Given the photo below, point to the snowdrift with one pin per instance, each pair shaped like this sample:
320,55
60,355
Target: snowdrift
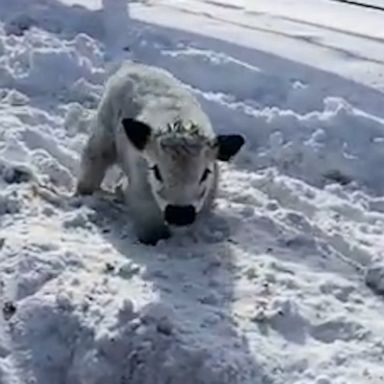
280,285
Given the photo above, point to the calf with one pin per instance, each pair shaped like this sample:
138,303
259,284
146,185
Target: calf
155,130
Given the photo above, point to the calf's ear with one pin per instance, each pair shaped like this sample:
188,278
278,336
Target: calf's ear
138,133
228,146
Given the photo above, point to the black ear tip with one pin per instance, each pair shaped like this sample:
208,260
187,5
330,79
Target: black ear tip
240,140
137,132
229,145
126,121
236,140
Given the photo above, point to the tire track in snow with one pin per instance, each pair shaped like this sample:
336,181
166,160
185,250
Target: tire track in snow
360,4
294,20
311,40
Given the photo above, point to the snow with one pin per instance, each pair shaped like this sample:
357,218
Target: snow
283,283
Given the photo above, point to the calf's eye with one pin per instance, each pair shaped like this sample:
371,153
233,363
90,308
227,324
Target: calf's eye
205,175
157,173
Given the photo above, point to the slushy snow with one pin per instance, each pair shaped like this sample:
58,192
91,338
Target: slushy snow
283,283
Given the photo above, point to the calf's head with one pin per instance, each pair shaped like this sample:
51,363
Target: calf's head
181,166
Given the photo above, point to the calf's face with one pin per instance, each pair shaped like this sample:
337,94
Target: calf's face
181,167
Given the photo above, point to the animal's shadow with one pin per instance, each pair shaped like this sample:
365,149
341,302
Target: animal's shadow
194,277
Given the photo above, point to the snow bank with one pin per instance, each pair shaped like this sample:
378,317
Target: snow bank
51,15
289,124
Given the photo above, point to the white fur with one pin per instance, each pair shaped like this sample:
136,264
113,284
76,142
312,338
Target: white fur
155,97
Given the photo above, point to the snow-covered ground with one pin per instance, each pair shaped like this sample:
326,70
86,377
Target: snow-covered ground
282,283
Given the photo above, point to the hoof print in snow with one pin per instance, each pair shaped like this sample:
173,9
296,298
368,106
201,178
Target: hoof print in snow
9,309
374,278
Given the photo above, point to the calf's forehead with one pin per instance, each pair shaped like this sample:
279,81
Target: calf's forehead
183,150
184,167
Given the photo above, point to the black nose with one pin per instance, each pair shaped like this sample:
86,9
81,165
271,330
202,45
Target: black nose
180,214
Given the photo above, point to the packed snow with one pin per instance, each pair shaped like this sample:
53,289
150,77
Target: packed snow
283,283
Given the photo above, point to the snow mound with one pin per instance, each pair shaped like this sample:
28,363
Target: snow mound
51,15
